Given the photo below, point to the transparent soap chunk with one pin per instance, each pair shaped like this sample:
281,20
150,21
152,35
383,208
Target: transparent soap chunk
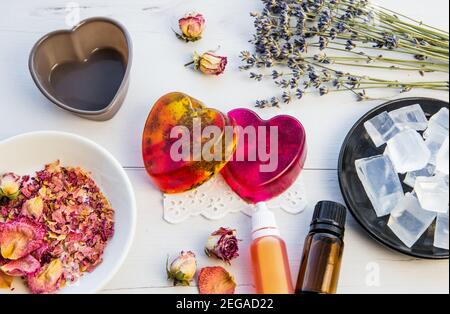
381,183
441,118
381,128
412,117
442,160
441,235
409,221
433,193
410,178
445,177
438,126
434,143
408,151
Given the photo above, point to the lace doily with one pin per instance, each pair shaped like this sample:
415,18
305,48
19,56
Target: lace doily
215,199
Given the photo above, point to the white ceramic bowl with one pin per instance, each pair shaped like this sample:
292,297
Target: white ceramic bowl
27,153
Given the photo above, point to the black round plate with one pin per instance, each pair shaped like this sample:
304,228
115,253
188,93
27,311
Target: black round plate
359,145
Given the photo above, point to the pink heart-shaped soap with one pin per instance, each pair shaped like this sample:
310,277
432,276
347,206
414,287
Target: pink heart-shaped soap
265,166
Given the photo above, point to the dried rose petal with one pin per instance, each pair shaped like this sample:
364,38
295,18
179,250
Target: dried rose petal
48,279
40,252
5,281
223,245
73,225
215,280
53,167
21,267
20,237
33,207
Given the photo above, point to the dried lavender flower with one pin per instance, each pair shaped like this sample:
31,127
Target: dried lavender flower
287,98
287,33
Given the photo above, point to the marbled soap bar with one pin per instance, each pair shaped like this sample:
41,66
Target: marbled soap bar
184,143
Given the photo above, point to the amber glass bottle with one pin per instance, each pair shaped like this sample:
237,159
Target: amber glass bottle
322,254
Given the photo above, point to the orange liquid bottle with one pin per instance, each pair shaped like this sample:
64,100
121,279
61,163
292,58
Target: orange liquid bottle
270,261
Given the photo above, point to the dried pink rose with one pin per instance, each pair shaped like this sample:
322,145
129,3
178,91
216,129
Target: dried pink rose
210,63
21,267
192,27
9,186
223,244
20,237
183,269
48,279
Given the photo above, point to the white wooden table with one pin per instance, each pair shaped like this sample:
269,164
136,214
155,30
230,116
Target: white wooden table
158,68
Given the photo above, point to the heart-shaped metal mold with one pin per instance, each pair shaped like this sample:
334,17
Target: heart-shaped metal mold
84,70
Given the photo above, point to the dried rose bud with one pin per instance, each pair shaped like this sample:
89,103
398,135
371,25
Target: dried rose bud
183,268
223,245
10,185
210,64
192,27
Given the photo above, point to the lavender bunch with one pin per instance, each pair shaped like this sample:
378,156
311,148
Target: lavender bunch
305,44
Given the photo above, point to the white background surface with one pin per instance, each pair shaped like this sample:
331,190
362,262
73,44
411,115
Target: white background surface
157,69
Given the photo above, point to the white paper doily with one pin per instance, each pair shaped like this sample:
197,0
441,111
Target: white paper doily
215,199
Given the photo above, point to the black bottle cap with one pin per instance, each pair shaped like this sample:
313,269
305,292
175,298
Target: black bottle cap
330,216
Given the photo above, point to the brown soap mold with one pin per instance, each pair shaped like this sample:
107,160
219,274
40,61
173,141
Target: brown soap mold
84,70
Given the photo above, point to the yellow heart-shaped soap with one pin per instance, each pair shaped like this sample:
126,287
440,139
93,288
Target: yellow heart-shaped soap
185,143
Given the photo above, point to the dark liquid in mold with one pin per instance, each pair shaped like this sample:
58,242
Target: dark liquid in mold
90,85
